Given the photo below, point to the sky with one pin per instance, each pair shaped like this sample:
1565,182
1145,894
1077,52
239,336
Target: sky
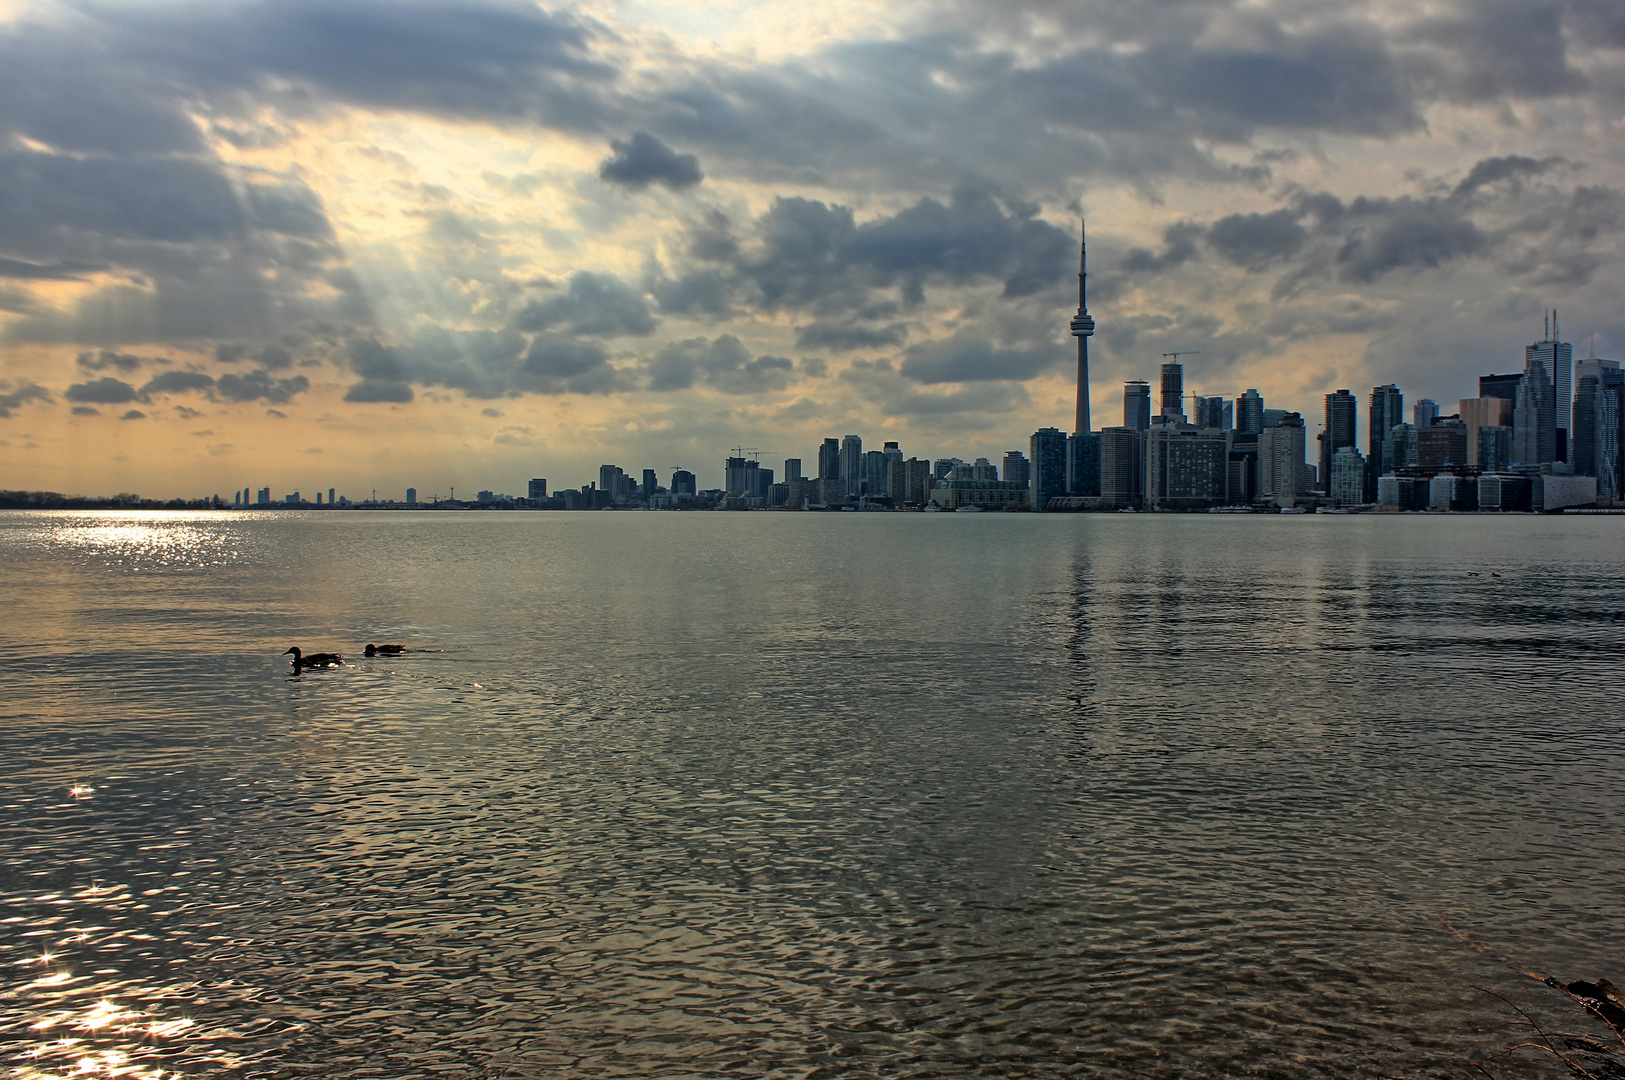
308,244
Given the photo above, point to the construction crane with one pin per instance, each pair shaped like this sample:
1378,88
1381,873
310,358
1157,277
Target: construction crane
1177,355
741,451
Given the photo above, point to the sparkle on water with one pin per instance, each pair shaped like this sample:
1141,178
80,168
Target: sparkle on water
796,794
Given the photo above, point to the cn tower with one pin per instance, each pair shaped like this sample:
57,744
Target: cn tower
1083,328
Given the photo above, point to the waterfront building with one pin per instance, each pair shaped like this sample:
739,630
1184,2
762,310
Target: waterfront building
1250,412
1283,470
1241,480
1443,444
1083,328
792,469
647,489
683,483
1137,404
536,489
1387,408
1534,417
832,491
942,467
983,469
1122,480
1425,413
1557,358
1047,471
1016,468
1083,464
1173,389
1342,416
852,464
1494,447
1347,473
987,494
411,494
1450,492
1503,492
1186,468
829,459
263,497
873,481
916,481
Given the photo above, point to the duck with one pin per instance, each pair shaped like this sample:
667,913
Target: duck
319,659
384,650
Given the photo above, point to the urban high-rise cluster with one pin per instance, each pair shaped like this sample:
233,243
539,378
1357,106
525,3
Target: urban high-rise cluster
1545,438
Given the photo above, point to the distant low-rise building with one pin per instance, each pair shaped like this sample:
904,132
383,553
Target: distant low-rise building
987,494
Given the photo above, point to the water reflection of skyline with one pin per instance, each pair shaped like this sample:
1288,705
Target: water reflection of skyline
699,795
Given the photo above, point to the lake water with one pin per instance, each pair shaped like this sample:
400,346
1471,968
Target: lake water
802,795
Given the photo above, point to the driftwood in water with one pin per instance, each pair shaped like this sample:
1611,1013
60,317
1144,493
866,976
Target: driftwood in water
1581,1054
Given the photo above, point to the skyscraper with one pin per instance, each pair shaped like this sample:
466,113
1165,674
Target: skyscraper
1122,480
1048,467
1282,468
852,464
683,482
1347,483
1501,386
1342,414
1210,412
1594,422
873,481
829,459
1137,404
1558,358
1250,412
1082,463
1387,409
1534,419
792,469
1173,389
537,489
1083,328
649,485
1426,411
1016,468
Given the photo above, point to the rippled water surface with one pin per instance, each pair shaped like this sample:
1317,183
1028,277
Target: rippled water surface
737,795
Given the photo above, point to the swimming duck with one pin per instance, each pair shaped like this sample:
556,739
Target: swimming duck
384,650
319,659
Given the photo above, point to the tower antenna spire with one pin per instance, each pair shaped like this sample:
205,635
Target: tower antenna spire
1083,328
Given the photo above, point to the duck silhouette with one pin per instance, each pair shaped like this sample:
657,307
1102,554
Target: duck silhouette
319,659
384,650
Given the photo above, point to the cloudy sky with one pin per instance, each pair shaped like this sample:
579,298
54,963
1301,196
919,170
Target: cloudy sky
308,243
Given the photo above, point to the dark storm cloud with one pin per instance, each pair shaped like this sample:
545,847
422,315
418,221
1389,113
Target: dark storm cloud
969,406
1254,240
968,357
558,365
1179,241
177,382
698,293
1405,233
84,410
600,305
485,60
804,254
1496,169
724,364
27,271
1493,49
104,391
103,359
841,336
134,414
11,399
645,160
375,391
260,386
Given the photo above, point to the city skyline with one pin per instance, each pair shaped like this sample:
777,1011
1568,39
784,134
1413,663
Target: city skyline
243,240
